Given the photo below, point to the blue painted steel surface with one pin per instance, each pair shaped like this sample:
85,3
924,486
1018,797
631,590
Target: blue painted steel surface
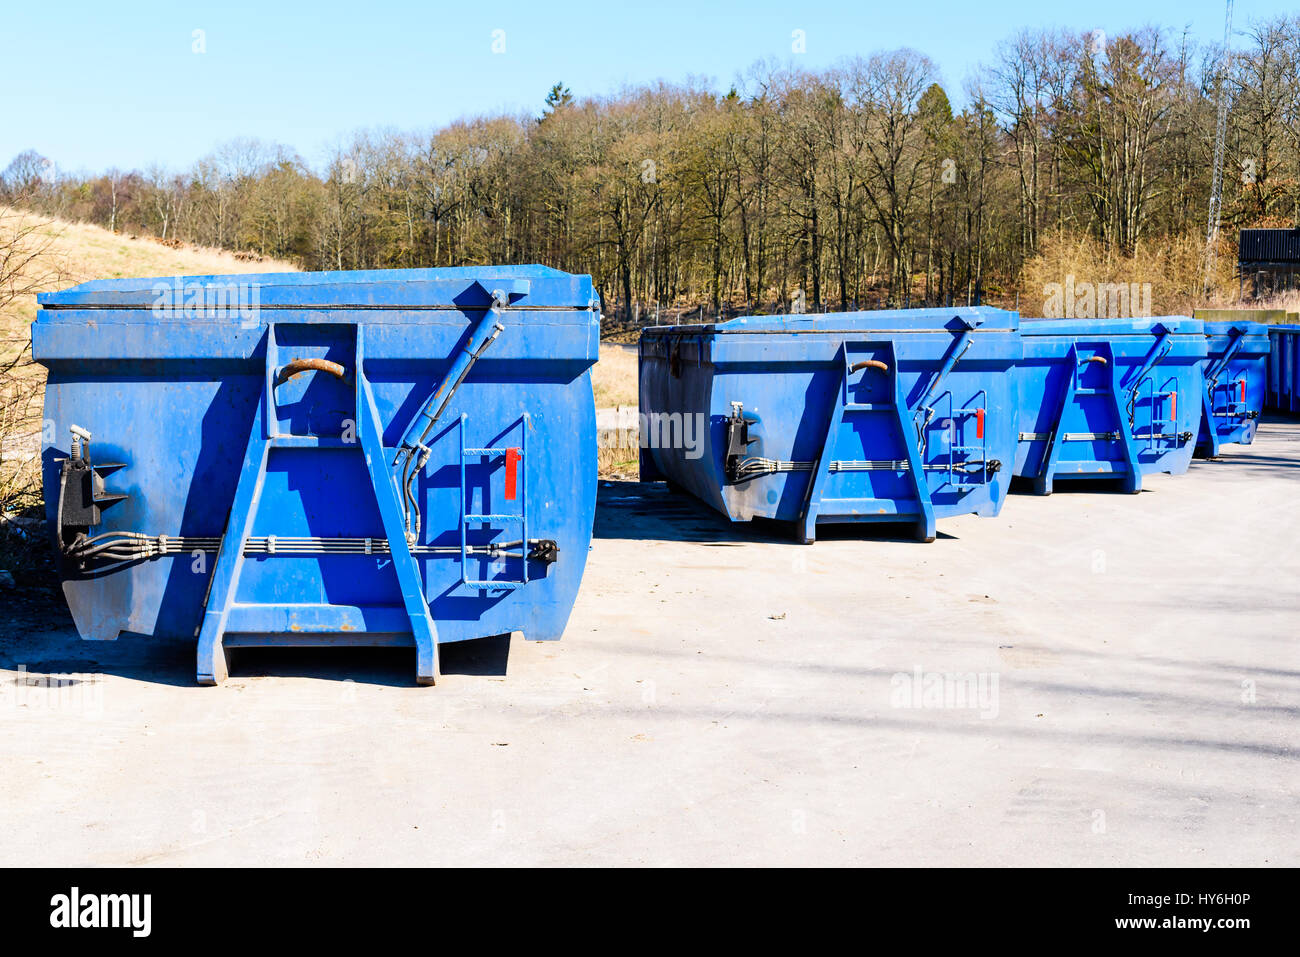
894,415
1284,369
281,494
1236,373
1108,398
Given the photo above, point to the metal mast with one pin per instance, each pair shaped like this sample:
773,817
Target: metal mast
1220,135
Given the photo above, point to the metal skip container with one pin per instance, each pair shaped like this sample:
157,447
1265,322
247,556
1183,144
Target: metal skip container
393,457
1108,398
1236,378
886,416
1284,368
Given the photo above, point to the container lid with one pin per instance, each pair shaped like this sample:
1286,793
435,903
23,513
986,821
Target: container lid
974,318
1145,326
461,287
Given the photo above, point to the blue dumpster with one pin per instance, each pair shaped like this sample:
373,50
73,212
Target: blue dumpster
888,416
1236,372
1284,369
1108,398
401,457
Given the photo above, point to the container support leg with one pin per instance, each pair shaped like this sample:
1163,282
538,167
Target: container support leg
1052,454
1207,445
817,479
1132,482
213,663
909,429
370,434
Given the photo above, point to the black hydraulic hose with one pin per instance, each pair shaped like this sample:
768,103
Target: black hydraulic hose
409,505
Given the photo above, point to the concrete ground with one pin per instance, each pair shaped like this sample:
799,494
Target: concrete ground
725,697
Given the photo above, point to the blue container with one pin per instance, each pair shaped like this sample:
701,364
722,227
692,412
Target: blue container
400,457
1284,369
889,416
1236,374
1108,398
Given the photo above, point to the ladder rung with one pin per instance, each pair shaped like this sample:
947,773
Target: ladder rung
504,585
492,451
868,406
1093,392
494,518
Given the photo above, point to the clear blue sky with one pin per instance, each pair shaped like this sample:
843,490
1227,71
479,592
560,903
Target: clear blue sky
99,84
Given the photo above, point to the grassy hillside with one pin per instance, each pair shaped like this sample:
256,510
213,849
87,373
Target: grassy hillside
38,254
70,253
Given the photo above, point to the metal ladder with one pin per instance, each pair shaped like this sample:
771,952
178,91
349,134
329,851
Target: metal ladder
516,458
1158,437
959,477
1232,408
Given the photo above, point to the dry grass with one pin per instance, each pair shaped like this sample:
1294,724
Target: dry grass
26,267
78,252
617,455
1174,267
1287,301
614,377
38,254
614,382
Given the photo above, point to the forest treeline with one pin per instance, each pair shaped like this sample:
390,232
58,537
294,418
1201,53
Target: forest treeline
852,186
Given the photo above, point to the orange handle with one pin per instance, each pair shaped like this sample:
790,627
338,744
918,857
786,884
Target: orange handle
295,366
869,364
1173,405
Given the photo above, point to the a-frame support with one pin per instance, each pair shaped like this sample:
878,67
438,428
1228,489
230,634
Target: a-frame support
903,421
1131,478
213,661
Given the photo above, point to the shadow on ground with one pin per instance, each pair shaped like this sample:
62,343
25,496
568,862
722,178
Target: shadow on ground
172,662
652,511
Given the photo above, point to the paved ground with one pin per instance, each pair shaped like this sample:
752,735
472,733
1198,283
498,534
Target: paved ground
721,700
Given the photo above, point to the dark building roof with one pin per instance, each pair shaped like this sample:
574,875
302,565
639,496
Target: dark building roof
1280,247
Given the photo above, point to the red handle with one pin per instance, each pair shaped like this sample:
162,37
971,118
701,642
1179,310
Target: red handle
512,469
1243,390
979,423
1173,405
